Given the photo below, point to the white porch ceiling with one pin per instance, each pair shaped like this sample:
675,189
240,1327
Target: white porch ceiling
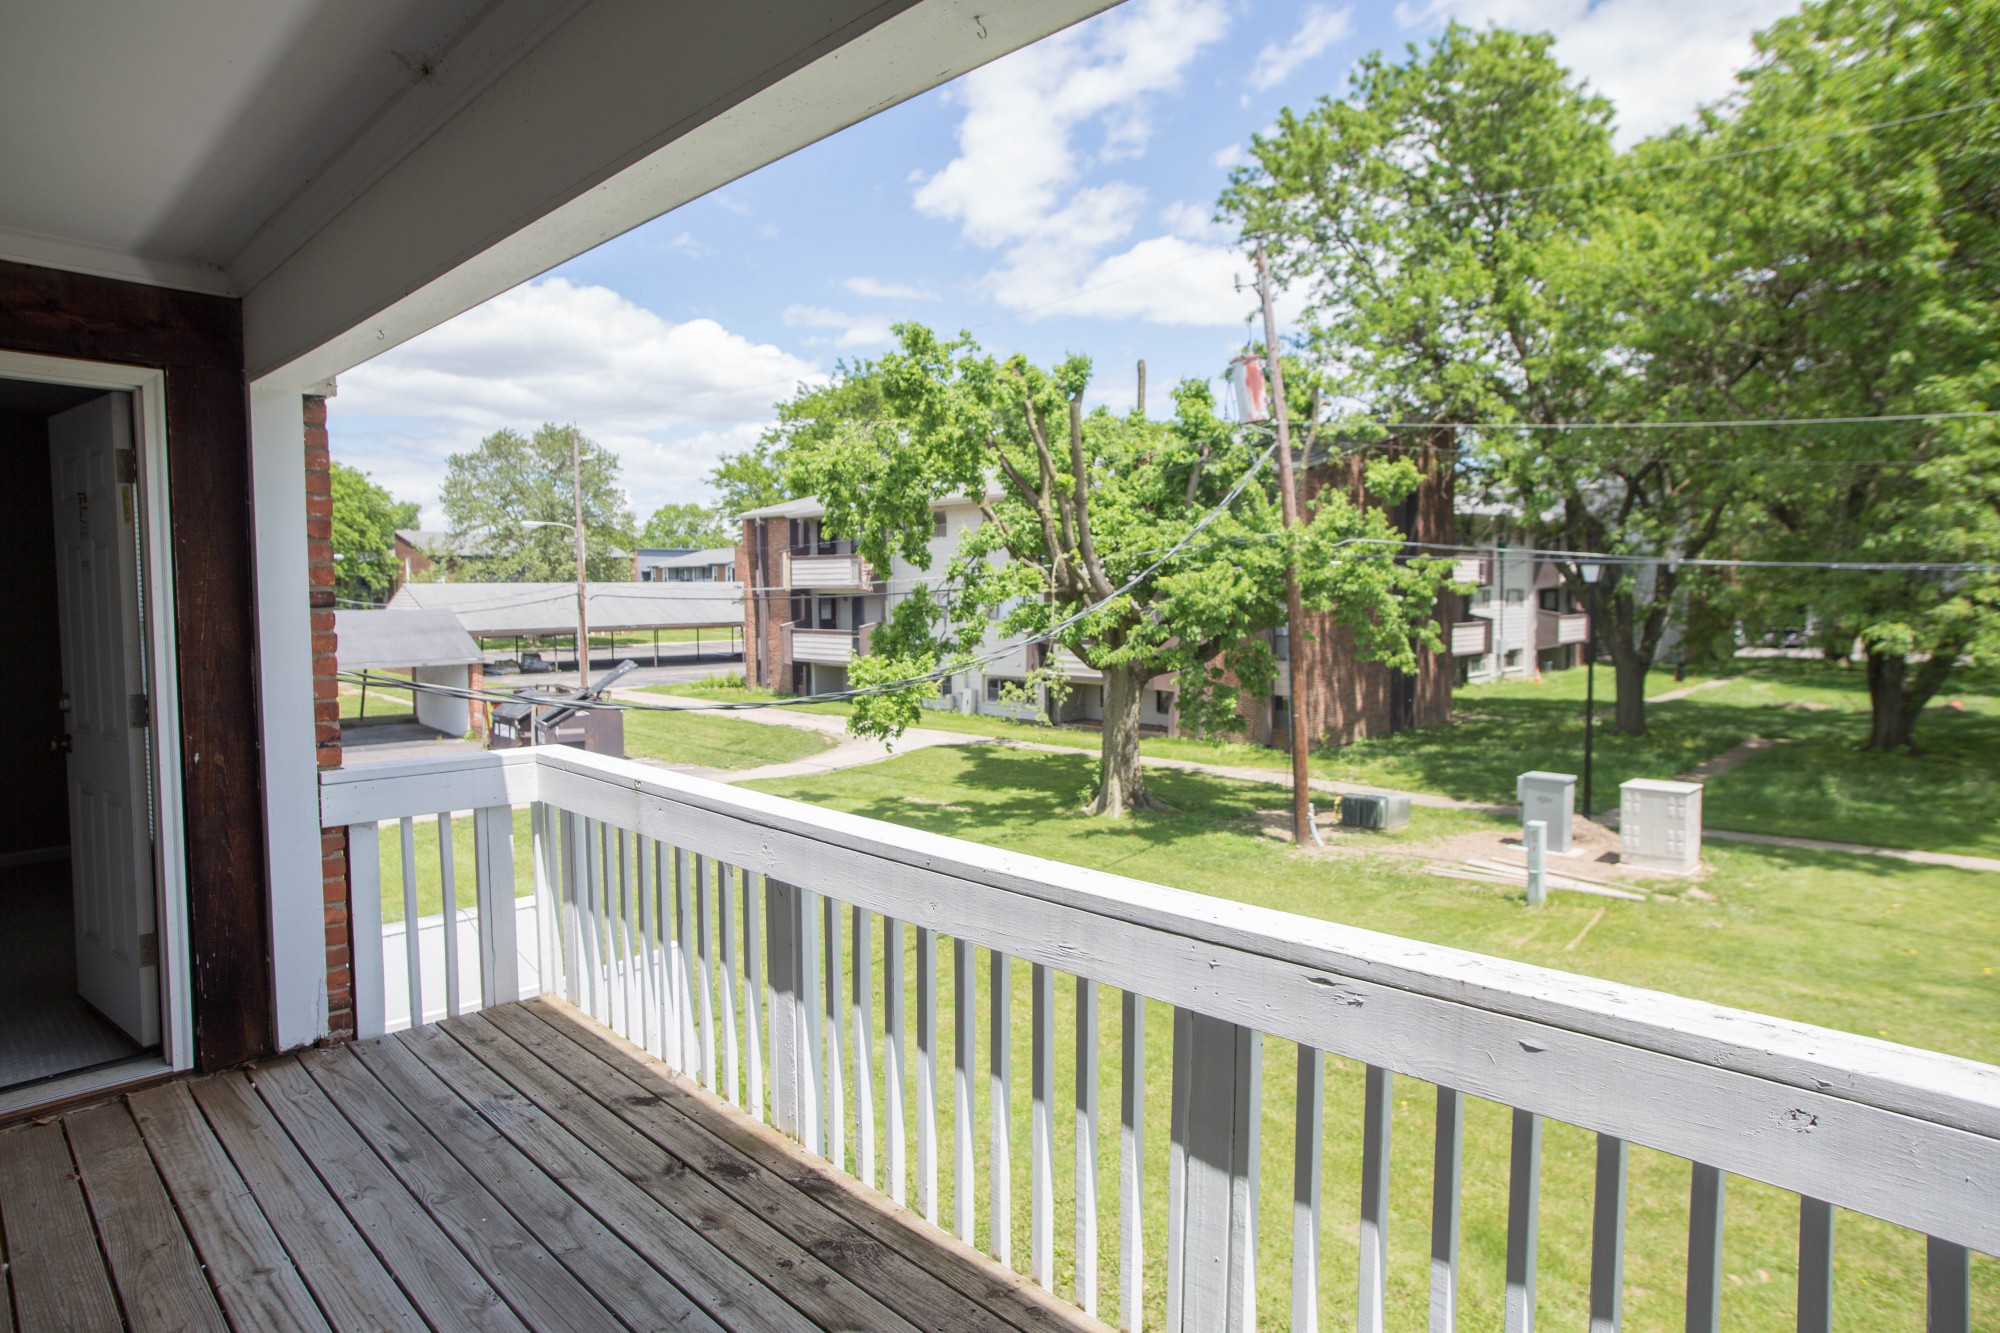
361,170
162,136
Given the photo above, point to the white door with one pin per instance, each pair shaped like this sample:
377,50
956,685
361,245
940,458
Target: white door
97,588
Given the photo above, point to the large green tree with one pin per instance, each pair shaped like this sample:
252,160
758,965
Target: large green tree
761,474
1077,505
1856,273
697,527
365,519
498,491
1457,226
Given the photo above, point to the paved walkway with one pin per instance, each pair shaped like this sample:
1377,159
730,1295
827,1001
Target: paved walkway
1685,690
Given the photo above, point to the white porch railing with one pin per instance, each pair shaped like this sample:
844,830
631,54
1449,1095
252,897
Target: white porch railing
735,935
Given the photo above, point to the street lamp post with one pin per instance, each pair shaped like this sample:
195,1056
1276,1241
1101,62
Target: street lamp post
1590,575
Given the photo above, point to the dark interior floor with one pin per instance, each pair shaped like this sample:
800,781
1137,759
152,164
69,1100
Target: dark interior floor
45,1030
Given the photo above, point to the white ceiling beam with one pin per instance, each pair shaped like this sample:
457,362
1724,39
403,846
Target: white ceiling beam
623,110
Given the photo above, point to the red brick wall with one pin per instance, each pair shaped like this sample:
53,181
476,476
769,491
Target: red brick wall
1346,698
764,596
326,717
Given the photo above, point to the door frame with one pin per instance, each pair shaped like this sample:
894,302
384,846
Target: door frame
148,387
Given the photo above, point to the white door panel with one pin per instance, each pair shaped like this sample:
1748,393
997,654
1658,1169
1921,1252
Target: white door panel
97,586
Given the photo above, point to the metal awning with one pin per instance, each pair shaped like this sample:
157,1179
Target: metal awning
401,637
550,608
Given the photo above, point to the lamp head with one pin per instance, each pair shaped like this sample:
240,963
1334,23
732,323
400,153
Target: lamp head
1591,572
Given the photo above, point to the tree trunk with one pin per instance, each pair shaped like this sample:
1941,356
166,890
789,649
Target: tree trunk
1629,718
1897,693
1121,783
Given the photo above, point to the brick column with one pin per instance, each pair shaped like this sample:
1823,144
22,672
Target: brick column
326,718
476,681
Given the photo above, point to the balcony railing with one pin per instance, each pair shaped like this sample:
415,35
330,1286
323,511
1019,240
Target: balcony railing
760,946
834,647
1553,629
837,572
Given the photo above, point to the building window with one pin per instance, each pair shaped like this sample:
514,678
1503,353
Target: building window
1551,599
995,684
944,688
829,613
1281,713
937,524
1513,658
1516,596
1163,701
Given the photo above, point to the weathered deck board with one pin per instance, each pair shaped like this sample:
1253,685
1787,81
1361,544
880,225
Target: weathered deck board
158,1277
509,1170
51,1252
902,1232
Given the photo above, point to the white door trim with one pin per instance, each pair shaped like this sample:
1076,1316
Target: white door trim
149,390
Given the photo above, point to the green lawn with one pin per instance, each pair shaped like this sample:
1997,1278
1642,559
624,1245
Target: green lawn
1819,784
716,741
1904,952
380,701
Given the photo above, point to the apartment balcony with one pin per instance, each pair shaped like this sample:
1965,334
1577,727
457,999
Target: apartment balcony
730,1042
829,573
832,647
1471,638
1553,629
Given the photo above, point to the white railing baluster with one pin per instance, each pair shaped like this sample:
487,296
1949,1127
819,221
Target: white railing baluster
927,1154
1524,1198
725,921
897,1086
628,988
1947,1287
413,958
1308,1133
1815,1266
753,995
642,944
495,906
1000,1107
813,1073
364,889
1447,1169
1212,1174
683,965
1042,1126
1086,1145
964,1013
1377,1102
1607,1238
703,966
592,915
548,874
836,1083
784,943
861,1003
571,854
1706,1190
448,895
1131,1161
660,948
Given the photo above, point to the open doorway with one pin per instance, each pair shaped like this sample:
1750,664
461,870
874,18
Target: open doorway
80,959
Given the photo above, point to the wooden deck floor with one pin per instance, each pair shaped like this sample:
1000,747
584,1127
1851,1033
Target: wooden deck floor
516,1169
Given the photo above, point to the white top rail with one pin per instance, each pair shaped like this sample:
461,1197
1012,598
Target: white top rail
1908,1135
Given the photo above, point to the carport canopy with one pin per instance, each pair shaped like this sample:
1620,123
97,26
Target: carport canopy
401,637
500,609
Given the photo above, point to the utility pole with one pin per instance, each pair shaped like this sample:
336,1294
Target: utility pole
582,612
1288,496
1142,386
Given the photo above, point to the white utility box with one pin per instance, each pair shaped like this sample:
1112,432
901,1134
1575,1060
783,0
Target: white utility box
1661,825
1551,798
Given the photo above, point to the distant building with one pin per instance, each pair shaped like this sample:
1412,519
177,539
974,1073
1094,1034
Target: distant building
420,550
811,604
678,564
1519,617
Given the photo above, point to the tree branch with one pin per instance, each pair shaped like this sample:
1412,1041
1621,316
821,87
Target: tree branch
1080,483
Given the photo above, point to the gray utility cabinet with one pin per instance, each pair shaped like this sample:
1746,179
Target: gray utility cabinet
1551,798
1381,811
1661,825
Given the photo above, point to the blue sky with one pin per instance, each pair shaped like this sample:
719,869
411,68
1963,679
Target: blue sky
1055,201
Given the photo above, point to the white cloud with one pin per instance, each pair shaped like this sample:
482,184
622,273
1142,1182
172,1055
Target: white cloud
876,289
1319,28
668,397
1016,151
689,245
1194,222
849,330
1656,62
1021,182
1227,156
